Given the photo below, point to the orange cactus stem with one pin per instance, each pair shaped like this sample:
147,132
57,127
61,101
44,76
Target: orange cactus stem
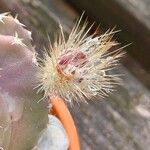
61,111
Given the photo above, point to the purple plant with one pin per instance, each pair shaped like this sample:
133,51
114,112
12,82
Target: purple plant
21,118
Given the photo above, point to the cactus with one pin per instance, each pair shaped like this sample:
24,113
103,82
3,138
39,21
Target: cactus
74,69
21,117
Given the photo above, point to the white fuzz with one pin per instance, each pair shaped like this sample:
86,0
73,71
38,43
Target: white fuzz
17,40
2,16
79,68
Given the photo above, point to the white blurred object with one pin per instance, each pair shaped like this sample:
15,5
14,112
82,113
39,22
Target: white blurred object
54,137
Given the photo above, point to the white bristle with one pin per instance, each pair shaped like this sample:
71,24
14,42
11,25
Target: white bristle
77,69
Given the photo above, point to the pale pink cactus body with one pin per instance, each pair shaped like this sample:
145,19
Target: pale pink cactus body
19,113
16,84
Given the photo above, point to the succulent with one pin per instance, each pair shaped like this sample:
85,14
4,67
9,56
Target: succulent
22,118
78,68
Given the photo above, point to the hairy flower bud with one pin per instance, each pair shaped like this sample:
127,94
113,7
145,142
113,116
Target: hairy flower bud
79,68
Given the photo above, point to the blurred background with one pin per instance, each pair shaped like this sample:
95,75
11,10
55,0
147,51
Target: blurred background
122,121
